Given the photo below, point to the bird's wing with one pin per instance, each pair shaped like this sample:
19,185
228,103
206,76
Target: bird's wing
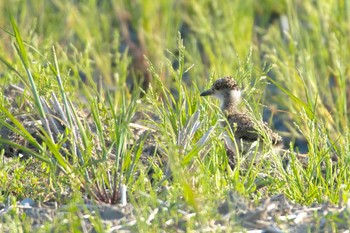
244,128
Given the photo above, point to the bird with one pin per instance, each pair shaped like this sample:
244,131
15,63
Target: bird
246,131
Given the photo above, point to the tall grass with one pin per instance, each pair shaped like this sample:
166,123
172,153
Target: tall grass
83,88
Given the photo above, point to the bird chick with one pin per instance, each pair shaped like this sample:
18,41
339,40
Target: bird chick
245,130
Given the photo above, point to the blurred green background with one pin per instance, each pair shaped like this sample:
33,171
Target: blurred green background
305,42
290,57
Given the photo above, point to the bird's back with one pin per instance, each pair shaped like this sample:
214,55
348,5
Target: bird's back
245,128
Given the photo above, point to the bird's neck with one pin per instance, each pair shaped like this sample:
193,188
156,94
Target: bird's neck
229,107
230,104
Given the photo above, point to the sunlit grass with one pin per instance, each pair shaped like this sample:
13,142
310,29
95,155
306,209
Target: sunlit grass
78,52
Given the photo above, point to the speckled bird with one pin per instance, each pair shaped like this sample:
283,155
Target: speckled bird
246,131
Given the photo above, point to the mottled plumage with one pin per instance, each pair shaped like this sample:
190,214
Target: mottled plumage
225,83
245,129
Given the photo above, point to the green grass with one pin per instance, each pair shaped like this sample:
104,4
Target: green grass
47,45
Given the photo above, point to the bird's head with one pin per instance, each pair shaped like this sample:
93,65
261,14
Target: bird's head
226,90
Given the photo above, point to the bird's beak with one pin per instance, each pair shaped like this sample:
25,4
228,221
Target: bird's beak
207,92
